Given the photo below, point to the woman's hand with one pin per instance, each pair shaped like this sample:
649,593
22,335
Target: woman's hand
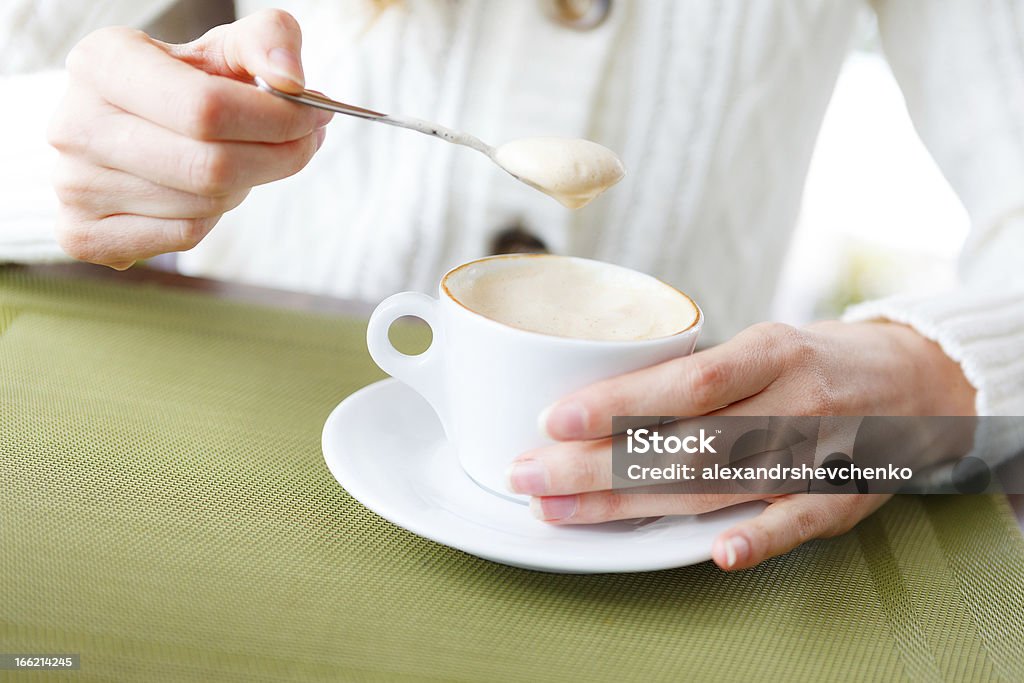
156,141
828,368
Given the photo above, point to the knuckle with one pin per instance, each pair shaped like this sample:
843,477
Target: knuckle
796,345
76,237
57,133
777,345
204,116
215,206
78,57
301,153
585,471
844,514
612,506
81,56
693,502
70,193
819,396
703,501
190,233
81,59
211,171
803,348
66,184
763,539
63,131
114,34
703,381
774,333
807,521
235,200
280,18
598,506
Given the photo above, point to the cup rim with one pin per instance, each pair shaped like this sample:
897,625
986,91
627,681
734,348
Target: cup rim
447,293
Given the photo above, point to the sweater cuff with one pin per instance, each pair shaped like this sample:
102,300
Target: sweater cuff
28,205
983,330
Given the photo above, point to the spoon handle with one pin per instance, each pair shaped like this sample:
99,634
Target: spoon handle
313,99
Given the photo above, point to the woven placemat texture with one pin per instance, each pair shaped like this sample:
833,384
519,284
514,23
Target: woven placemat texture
165,511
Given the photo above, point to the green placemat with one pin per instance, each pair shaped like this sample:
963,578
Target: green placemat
165,512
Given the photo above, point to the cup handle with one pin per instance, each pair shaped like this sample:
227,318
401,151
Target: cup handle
423,372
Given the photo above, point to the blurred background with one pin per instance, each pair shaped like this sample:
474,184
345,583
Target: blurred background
878,216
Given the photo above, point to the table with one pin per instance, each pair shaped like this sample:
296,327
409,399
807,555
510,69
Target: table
262,295
165,512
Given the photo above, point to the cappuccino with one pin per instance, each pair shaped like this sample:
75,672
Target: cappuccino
570,297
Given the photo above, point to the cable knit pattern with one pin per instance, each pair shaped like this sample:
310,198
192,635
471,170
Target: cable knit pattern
714,113
714,106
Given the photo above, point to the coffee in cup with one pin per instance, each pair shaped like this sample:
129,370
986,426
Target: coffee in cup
573,298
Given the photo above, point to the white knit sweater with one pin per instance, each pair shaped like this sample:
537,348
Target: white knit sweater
714,106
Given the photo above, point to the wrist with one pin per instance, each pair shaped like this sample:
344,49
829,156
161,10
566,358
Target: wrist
943,387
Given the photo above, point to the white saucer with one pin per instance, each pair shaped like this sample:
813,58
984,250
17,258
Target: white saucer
386,447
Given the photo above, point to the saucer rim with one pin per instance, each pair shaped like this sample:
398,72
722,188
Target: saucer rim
538,558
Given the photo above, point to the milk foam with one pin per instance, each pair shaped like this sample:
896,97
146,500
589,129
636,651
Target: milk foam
569,297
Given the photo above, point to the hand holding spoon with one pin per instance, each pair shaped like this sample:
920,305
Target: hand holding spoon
572,170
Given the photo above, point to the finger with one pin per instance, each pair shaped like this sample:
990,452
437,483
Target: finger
689,386
118,241
267,43
139,147
103,192
606,506
563,468
788,522
154,85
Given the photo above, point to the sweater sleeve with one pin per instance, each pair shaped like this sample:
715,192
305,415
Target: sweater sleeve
28,205
35,36
961,68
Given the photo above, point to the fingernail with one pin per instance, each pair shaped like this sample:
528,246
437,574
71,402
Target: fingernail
527,476
285,64
564,420
554,508
321,133
737,550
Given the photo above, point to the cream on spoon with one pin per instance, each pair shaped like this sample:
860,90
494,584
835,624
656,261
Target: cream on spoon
572,170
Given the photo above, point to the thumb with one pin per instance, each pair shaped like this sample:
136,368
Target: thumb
265,44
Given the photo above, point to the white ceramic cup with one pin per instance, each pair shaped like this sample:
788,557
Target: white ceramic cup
489,382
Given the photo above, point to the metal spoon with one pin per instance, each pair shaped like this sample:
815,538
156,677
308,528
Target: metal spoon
573,192
312,99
